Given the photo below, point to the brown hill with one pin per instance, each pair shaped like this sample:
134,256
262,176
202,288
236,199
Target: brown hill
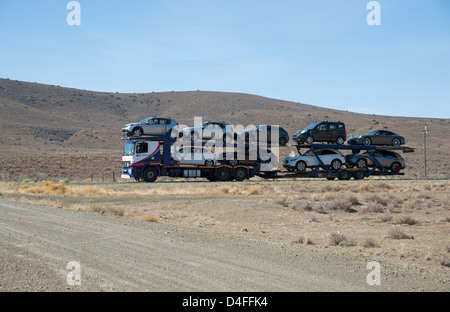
46,121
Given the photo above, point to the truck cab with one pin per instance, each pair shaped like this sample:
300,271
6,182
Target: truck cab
139,155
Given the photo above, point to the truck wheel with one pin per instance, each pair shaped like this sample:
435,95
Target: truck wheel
358,175
344,175
223,174
150,174
240,174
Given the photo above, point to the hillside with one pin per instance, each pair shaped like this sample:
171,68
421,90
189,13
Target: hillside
42,121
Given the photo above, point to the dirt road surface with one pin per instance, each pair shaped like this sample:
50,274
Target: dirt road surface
117,254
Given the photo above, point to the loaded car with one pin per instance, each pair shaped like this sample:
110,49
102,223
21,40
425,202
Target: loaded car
248,157
389,160
264,133
377,137
208,130
323,131
154,126
330,157
196,156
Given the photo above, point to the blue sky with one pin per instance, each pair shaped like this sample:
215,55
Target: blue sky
319,52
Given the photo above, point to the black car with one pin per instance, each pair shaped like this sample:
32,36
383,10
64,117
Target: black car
377,137
323,131
263,134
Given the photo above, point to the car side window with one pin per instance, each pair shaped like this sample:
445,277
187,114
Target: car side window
322,128
341,126
332,126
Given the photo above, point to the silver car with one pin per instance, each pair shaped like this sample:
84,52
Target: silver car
153,126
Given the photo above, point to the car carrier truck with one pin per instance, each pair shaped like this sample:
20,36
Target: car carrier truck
147,158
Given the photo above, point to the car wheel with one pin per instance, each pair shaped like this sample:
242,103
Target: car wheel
233,162
396,142
367,142
194,136
150,174
361,163
223,174
309,140
209,163
282,141
300,166
340,140
240,174
136,132
396,167
336,164
358,175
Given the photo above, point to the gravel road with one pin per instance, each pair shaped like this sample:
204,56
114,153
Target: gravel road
117,254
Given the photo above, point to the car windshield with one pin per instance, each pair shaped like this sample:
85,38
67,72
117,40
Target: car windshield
373,132
311,126
307,153
129,148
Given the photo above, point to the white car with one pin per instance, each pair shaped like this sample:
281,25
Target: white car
196,156
330,157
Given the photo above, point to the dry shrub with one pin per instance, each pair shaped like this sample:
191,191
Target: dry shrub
370,243
46,188
377,199
408,221
383,186
98,209
88,191
343,204
254,190
301,240
283,202
337,238
397,233
116,211
150,218
385,218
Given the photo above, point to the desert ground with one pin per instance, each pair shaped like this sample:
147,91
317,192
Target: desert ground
403,225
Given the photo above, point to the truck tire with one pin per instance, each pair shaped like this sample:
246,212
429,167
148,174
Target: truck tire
150,174
240,174
223,174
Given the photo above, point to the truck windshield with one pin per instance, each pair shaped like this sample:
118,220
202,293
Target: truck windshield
129,148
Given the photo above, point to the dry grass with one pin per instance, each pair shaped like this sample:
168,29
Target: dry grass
149,218
397,233
369,243
408,221
339,239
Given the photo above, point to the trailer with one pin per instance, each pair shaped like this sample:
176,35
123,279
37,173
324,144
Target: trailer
323,171
147,158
